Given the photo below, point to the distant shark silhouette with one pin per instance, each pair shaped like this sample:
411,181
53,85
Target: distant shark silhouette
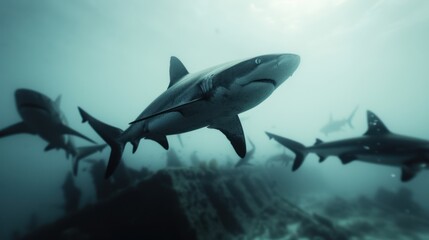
282,159
43,117
210,98
338,125
378,145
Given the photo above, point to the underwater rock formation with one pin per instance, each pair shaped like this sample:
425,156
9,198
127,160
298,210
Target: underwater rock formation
194,204
387,215
71,194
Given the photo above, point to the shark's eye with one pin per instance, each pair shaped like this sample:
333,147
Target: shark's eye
257,60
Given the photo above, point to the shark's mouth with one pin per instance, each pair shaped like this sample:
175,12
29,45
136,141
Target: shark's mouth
33,106
268,81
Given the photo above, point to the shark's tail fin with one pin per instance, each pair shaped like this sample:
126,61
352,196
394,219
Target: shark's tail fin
296,147
111,136
349,120
82,152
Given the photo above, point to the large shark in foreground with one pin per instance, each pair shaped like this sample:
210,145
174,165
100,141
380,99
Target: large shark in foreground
378,145
210,98
42,116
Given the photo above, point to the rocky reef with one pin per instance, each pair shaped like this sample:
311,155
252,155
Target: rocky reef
179,203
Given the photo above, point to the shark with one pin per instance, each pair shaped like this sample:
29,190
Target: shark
279,159
338,125
211,98
378,146
249,155
42,116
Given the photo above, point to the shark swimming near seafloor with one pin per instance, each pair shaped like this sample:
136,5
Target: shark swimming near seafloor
42,116
378,145
210,98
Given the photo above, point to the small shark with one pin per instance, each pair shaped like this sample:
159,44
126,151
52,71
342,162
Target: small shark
282,159
378,145
42,116
173,160
337,125
210,98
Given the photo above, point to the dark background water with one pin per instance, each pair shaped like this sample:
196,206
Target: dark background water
111,57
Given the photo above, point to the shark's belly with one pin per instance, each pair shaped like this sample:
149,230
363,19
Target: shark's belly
224,103
175,123
385,159
240,99
42,124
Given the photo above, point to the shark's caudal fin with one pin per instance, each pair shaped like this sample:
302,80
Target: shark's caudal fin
296,147
110,135
82,152
349,120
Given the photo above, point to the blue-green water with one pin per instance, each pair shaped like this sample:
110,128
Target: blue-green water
112,58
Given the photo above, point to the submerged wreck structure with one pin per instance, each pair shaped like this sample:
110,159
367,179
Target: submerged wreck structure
193,203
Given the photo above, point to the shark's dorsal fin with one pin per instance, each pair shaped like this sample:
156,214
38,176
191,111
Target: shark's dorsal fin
231,127
177,70
58,100
375,125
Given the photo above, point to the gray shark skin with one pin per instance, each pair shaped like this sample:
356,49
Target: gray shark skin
378,145
338,125
42,116
210,98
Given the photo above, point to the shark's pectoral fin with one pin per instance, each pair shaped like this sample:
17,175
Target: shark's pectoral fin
346,158
232,129
67,130
179,108
411,168
50,147
321,158
16,129
135,144
408,172
161,139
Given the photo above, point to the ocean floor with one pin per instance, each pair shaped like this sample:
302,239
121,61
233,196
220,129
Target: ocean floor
193,203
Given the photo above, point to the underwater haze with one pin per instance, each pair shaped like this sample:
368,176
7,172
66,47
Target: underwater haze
112,59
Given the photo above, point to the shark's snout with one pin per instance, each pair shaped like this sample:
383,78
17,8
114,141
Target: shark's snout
283,67
289,62
26,98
